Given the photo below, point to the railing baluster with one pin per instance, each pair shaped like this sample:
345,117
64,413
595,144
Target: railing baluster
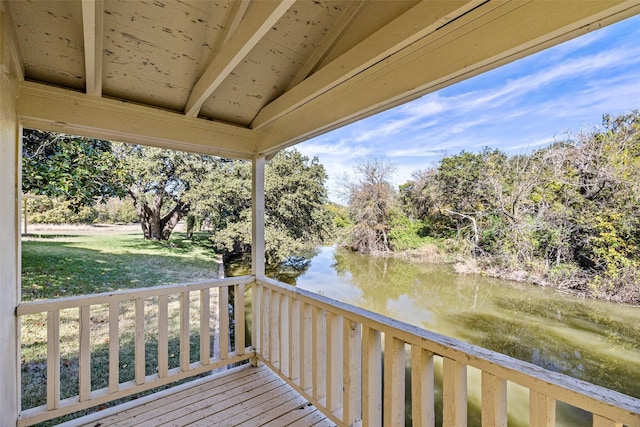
224,322
422,388
454,393
393,381
139,342
163,336
599,421
371,377
266,324
205,319
352,372
285,342
238,319
494,401
256,319
542,410
334,362
84,361
318,353
274,331
114,347
53,359
294,334
306,343
184,331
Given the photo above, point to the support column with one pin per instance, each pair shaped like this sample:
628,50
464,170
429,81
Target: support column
9,221
257,223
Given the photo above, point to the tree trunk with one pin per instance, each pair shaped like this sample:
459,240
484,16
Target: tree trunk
155,227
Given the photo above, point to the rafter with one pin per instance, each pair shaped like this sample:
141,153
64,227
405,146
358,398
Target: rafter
343,22
93,26
257,21
393,37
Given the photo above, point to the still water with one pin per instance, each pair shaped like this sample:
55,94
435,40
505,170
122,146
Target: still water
595,341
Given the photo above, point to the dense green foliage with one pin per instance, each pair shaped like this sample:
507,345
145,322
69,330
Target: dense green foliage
296,213
566,214
164,187
78,170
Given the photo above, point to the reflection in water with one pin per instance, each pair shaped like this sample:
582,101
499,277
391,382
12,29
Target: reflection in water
591,340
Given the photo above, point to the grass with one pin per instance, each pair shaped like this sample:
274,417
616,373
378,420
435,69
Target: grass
66,265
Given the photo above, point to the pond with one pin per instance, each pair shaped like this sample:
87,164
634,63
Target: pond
595,341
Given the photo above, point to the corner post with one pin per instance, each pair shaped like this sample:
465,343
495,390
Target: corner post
10,190
257,223
257,244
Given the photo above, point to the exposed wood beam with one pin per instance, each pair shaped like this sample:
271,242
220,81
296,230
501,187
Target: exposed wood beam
238,10
463,49
93,28
423,19
346,18
53,109
258,20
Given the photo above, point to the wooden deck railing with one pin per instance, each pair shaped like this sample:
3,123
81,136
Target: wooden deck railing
336,355
157,297
339,356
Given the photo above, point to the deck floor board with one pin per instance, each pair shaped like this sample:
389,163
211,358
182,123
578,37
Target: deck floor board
248,397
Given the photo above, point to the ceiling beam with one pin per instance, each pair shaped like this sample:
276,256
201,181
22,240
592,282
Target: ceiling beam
423,19
260,17
343,22
465,48
93,29
59,110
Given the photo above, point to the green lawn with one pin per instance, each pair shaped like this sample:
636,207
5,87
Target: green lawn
55,266
63,265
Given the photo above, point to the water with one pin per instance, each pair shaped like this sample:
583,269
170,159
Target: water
595,341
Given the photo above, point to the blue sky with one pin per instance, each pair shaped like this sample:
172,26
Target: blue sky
517,108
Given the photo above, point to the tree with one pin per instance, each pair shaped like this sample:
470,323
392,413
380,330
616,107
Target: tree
296,213
164,184
371,200
80,170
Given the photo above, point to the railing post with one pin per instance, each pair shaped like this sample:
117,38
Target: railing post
352,372
393,381
454,393
84,370
139,342
371,377
494,401
53,359
422,388
238,320
542,410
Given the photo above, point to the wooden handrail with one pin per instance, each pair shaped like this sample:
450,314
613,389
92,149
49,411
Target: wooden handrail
546,387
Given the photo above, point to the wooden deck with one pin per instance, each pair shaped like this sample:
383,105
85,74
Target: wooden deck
244,396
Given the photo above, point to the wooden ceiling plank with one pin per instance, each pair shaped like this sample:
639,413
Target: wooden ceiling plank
393,37
343,22
93,28
257,21
59,110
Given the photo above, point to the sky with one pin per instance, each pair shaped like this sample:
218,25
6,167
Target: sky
516,108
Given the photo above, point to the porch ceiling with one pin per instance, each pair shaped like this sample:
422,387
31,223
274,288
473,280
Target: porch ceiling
245,78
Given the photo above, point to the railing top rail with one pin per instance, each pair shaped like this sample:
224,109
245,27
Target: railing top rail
32,307
576,392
